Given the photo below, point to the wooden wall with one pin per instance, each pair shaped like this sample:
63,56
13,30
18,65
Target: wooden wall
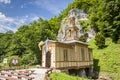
52,50
74,55
43,57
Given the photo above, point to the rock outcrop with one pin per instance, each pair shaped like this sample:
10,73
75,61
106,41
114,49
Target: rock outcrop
78,14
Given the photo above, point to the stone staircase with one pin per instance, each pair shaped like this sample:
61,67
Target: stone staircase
39,73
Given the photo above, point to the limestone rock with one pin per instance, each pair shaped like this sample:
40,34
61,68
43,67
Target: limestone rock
79,15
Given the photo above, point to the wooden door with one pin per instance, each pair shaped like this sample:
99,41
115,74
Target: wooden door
48,59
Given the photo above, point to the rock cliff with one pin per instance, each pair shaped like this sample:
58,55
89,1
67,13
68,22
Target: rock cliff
79,15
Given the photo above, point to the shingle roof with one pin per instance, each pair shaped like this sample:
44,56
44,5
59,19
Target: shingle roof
69,42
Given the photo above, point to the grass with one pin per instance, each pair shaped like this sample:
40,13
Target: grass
32,66
106,61
63,76
108,58
6,66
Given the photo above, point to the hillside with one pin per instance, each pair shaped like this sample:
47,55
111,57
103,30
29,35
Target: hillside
106,62
107,59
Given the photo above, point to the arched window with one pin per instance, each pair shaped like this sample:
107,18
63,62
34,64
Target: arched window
70,33
76,33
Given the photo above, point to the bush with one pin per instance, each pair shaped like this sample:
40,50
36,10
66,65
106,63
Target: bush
10,59
28,59
100,40
118,40
1,65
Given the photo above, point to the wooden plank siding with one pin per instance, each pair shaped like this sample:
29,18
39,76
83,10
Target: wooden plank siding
43,57
73,55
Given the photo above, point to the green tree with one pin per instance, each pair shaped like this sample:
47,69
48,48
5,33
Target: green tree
104,16
5,40
100,40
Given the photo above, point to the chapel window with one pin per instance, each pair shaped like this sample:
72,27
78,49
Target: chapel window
83,54
65,55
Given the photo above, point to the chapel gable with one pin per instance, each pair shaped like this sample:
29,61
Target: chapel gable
71,33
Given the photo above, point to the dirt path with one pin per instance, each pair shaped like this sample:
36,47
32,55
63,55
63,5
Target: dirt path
39,73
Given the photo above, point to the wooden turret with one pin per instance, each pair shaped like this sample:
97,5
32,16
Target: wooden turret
71,32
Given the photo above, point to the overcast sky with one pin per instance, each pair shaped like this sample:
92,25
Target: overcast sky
14,13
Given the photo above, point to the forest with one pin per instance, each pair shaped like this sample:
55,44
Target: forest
103,16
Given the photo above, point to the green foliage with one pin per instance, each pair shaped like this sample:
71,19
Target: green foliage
5,41
28,59
118,40
100,40
1,65
104,17
78,4
10,60
63,76
108,58
85,25
24,42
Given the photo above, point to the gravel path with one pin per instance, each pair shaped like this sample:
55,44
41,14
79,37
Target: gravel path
39,73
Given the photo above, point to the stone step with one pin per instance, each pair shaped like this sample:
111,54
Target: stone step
39,73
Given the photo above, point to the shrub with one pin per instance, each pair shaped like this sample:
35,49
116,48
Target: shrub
100,40
28,59
118,40
10,59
